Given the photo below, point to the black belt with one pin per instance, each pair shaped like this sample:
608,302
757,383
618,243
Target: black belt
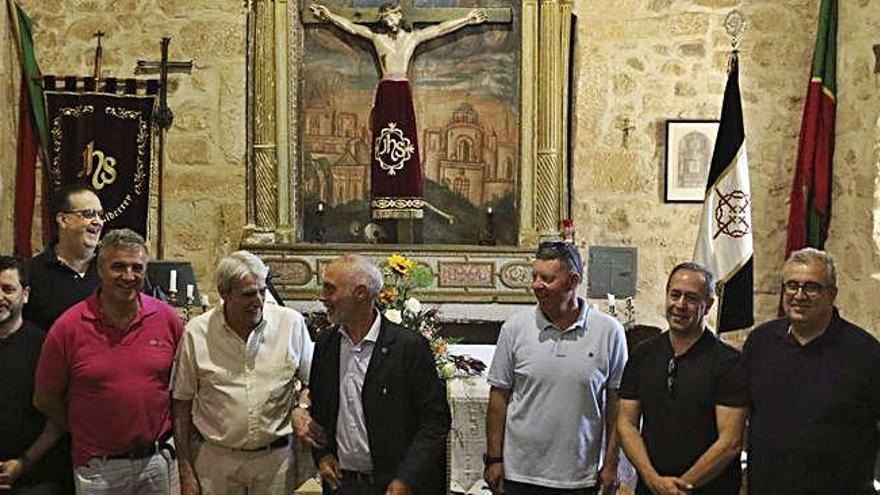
275,444
143,451
357,477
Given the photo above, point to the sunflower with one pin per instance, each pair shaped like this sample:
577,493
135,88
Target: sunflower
388,295
400,264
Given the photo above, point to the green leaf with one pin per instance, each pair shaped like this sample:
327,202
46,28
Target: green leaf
422,275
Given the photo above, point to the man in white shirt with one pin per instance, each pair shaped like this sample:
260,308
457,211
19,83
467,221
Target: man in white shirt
235,386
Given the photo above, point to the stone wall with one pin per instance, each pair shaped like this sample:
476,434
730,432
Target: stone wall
638,61
9,73
204,176
648,61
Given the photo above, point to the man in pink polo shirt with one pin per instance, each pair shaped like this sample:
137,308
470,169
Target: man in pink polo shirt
104,374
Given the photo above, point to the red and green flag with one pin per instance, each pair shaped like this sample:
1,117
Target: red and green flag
32,128
810,209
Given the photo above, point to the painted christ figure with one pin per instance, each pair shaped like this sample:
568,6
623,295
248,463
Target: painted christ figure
396,182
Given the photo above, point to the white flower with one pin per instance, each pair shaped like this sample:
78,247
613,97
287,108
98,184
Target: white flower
412,305
394,315
448,370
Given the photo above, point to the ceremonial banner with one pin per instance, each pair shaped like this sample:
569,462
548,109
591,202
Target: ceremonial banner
103,140
724,243
396,183
809,213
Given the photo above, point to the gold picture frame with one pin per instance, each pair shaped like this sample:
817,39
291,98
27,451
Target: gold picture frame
274,229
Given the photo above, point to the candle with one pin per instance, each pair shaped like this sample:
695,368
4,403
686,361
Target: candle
205,301
172,281
610,300
320,206
489,210
190,291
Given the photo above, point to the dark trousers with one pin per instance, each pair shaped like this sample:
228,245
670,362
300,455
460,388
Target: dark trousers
517,488
362,484
35,489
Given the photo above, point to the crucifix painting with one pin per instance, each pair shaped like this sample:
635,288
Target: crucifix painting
423,154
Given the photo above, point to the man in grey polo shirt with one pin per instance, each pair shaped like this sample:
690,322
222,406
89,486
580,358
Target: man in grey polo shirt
554,377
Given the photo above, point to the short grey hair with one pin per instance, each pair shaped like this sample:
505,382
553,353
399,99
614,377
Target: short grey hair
236,266
565,253
809,255
125,239
705,273
364,272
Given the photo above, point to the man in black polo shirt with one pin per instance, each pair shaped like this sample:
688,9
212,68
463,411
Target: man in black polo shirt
687,389
25,435
64,273
814,382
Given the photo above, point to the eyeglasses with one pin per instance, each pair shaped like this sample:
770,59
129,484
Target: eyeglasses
88,213
811,289
566,249
671,368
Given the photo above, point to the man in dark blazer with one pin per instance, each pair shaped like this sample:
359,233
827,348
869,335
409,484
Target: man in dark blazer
376,393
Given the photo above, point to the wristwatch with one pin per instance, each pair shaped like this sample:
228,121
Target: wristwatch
489,460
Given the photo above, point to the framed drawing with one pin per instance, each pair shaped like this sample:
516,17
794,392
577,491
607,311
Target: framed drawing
491,106
689,146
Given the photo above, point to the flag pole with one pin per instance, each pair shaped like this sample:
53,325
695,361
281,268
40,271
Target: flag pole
734,24
724,241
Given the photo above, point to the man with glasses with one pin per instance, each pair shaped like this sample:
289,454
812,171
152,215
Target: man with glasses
104,373
687,390
64,273
814,384
553,396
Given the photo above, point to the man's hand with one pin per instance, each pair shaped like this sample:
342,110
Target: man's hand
307,429
320,11
189,484
669,485
330,471
396,487
9,472
608,481
494,476
477,16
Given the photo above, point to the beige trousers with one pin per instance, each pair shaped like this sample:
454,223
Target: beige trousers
223,471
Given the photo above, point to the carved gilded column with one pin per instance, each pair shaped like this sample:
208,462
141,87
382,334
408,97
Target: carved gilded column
552,112
263,160
529,81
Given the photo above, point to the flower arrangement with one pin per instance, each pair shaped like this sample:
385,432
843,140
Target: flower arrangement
403,275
